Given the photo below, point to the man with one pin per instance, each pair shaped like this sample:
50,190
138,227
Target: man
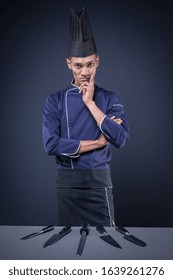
80,123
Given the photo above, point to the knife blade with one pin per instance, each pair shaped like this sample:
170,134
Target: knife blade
106,237
84,231
54,238
44,230
128,236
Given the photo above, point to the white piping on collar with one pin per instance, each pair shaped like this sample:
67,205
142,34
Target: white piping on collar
74,84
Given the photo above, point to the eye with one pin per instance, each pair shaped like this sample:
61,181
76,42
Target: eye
90,65
77,66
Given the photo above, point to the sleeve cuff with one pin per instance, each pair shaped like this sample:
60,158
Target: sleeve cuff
109,128
75,154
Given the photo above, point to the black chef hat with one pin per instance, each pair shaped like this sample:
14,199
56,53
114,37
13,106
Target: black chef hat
81,41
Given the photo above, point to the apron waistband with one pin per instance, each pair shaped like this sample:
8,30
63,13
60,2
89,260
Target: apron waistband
83,178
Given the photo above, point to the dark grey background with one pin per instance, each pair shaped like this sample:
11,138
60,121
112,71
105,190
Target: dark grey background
135,43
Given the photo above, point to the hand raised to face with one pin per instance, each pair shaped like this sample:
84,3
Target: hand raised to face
87,88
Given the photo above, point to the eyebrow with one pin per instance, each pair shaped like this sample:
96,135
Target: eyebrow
80,63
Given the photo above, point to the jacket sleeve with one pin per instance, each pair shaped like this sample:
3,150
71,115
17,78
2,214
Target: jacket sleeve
53,143
116,134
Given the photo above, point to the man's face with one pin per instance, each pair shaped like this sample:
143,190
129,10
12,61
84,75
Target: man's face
82,67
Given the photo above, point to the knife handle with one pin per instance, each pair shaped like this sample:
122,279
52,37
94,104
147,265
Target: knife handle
100,229
48,228
122,230
85,227
65,230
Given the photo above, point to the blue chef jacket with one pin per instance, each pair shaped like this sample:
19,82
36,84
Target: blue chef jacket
67,121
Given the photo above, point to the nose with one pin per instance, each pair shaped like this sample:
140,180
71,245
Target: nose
84,71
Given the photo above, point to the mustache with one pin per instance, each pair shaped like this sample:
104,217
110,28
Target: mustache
85,77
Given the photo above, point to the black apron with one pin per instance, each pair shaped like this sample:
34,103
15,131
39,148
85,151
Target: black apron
84,196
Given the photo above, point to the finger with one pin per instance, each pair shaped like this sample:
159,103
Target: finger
83,86
116,119
86,84
93,76
112,118
119,121
84,91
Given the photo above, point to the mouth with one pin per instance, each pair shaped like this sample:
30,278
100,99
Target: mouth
84,79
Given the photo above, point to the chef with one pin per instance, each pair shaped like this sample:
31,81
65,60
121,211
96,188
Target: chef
80,124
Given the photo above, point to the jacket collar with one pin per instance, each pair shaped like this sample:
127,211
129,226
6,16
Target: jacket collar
73,85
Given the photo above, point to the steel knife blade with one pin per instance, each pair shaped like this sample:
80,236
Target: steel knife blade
128,236
44,230
106,237
54,238
84,231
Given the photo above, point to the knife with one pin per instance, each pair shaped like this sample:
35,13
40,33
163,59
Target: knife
106,237
128,236
54,238
84,231
44,230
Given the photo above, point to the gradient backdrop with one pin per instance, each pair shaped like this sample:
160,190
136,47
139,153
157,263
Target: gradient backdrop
135,43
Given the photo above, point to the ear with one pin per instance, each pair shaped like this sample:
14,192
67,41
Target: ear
68,63
98,60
